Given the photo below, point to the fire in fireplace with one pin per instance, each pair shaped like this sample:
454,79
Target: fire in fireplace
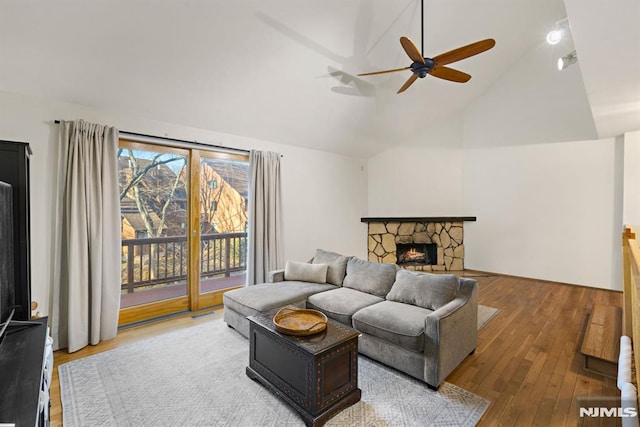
416,254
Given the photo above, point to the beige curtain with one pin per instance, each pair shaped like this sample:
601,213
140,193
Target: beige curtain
266,242
86,294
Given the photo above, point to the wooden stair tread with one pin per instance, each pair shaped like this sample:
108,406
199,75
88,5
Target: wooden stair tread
602,337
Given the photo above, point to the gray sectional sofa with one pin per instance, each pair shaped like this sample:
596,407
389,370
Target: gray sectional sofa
419,323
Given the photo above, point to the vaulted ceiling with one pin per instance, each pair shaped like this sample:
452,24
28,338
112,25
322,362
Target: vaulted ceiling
284,71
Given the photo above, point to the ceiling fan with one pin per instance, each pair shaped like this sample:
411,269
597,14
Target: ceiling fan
435,66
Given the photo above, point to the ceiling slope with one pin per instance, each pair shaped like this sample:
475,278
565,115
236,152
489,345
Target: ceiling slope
607,39
270,69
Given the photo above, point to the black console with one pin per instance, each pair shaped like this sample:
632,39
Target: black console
25,373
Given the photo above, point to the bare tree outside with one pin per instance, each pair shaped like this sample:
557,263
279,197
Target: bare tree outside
154,198
154,184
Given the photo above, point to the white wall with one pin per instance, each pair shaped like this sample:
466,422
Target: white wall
631,209
549,211
422,177
412,181
547,193
324,194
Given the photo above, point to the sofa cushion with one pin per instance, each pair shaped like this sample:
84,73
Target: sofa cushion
340,304
398,323
370,277
337,265
425,290
255,299
305,272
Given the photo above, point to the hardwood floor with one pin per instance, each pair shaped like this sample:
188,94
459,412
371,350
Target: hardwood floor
527,361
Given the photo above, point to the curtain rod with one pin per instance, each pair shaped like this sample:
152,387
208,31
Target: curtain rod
165,138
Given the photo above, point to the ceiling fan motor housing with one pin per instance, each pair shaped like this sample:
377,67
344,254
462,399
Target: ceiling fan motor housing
420,69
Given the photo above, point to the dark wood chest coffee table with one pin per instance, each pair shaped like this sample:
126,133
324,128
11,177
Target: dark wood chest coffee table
317,375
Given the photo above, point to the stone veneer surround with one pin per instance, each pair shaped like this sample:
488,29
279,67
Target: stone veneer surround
447,235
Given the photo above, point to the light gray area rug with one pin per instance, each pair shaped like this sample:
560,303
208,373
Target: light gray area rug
485,314
196,377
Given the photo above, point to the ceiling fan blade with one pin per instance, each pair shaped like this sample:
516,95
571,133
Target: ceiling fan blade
463,52
384,72
411,49
450,74
408,83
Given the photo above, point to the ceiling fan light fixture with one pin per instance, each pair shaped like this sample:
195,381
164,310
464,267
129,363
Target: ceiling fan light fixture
422,66
567,60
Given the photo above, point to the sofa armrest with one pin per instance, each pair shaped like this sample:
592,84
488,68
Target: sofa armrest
447,310
451,333
275,276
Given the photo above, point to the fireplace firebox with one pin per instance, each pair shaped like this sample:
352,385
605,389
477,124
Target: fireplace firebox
416,253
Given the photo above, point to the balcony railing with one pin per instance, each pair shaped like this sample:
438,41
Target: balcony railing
160,260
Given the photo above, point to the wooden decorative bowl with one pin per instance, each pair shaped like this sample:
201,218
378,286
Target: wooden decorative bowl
299,321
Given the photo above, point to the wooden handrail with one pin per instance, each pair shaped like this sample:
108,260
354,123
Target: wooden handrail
627,235
631,290
148,240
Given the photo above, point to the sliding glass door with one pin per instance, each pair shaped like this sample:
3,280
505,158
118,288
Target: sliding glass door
222,200
183,216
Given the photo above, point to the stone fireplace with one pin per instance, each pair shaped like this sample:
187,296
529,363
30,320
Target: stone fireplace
421,244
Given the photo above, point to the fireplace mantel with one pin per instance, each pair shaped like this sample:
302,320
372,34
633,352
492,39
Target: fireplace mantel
420,219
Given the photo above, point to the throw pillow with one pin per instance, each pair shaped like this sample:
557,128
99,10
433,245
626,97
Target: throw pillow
370,277
337,265
425,290
305,272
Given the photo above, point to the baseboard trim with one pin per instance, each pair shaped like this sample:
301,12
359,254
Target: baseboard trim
481,273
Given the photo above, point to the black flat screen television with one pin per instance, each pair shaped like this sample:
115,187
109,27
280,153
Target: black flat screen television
7,275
